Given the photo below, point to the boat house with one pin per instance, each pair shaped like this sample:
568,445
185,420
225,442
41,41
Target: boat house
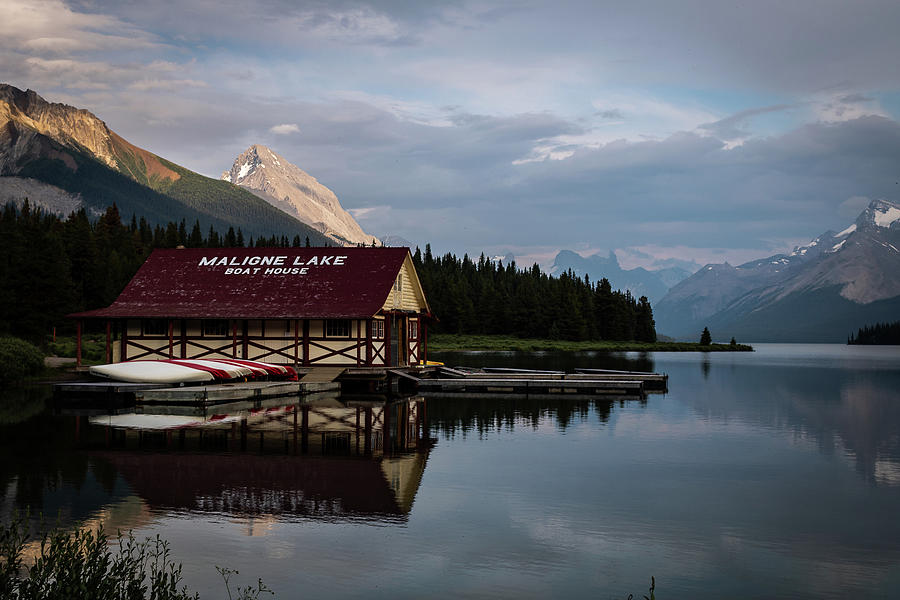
304,306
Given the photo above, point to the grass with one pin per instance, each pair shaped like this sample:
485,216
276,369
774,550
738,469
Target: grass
459,342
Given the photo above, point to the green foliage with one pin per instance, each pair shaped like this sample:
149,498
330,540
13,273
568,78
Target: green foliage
93,347
51,267
19,359
705,337
489,298
879,334
80,566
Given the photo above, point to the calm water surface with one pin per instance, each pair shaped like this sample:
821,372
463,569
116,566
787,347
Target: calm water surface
771,474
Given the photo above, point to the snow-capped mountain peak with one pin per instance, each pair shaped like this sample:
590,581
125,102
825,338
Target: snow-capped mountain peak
284,185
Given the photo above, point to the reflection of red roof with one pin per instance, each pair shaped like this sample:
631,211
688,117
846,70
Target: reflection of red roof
195,283
254,484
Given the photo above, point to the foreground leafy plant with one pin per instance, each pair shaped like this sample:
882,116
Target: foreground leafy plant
81,565
245,593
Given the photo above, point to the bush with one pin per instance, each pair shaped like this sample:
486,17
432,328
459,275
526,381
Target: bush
19,359
93,347
80,566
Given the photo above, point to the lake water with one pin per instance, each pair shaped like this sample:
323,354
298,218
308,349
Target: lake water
758,475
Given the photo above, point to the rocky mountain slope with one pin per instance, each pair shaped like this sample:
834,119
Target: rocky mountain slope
639,281
289,188
67,155
819,292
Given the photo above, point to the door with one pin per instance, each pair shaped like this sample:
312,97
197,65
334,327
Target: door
399,344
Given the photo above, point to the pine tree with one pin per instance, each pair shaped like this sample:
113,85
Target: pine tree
705,337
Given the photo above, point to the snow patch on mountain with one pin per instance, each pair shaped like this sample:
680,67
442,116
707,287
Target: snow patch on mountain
847,231
886,216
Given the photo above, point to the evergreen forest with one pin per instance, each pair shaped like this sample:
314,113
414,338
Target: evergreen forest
50,267
879,334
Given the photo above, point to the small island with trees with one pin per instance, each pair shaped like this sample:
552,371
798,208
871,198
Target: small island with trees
883,334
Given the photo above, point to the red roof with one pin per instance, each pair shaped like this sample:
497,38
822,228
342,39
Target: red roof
259,283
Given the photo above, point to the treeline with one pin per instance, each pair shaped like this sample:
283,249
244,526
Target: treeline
487,297
51,267
880,334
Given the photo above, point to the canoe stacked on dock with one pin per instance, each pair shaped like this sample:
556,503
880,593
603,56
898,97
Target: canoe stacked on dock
184,371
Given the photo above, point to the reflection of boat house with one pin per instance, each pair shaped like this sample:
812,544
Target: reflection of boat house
308,306
327,460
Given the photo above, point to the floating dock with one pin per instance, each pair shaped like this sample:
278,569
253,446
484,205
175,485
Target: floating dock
460,382
464,382
202,395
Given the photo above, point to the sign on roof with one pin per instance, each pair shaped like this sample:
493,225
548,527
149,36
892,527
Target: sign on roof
259,283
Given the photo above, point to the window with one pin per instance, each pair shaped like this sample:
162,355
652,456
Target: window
378,329
413,330
337,328
398,284
215,328
155,327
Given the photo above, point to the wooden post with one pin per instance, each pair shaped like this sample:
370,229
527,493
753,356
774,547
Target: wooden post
234,338
171,333
296,341
305,342
368,342
387,340
183,338
245,341
123,349
78,344
358,339
423,340
108,355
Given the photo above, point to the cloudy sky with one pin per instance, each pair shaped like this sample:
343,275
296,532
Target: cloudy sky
701,130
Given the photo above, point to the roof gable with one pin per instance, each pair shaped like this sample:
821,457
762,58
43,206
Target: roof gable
259,283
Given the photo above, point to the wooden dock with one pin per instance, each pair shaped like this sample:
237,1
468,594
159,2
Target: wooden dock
458,382
201,395
470,383
230,392
473,387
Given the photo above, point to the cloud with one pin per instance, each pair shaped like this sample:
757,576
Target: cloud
731,128
285,129
851,207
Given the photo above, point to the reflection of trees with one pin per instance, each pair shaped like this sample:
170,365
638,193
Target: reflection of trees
483,415
40,473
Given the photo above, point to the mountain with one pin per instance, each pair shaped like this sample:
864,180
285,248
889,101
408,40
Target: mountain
396,241
67,156
820,292
639,281
289,188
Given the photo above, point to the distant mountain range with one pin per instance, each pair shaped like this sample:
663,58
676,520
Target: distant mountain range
289,188
820,292
62,157
640,281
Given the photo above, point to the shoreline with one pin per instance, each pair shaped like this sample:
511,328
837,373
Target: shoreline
465,343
